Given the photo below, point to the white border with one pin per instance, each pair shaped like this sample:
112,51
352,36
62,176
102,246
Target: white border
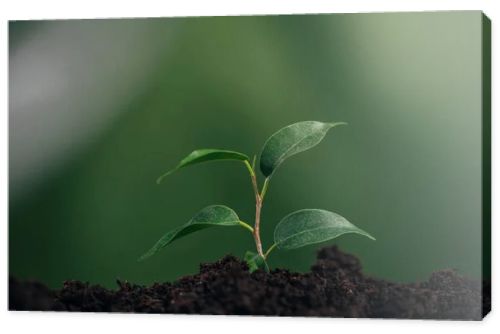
51,9
32,322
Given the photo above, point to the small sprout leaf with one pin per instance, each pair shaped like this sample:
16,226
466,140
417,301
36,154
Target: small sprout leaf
291,140
214,215
203,155
312,226
255,262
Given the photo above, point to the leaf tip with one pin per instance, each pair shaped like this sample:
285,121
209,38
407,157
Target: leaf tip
145,256
160,179
338,123
369,236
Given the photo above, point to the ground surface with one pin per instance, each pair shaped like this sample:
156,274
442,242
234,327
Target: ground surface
335,287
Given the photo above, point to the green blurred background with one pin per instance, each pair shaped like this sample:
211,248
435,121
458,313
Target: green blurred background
100,108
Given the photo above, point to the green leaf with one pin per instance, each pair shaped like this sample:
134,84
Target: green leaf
255,261
311,226
204,155
214,215
291,140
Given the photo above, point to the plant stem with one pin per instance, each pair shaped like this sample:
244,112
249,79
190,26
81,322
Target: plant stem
253,161
264,188
256,230
245,225
253,177
258,207
269,250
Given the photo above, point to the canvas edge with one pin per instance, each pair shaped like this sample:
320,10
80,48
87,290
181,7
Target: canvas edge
486,163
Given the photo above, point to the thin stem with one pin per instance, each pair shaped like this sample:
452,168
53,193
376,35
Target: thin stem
250,169
245,225
258,207
264,188
269,251
253,177
256,230
259,198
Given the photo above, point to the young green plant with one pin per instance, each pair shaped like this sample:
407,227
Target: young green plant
298,229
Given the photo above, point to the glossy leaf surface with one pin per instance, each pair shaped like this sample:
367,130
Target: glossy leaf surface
204,155
311,226
291,140
211,216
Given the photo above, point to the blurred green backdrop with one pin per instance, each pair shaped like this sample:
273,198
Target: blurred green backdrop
100,108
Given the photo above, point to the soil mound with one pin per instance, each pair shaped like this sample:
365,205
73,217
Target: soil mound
335,287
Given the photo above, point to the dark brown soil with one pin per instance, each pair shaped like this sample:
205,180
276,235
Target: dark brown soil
335,287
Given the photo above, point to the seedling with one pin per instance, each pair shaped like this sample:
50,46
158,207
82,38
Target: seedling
298,229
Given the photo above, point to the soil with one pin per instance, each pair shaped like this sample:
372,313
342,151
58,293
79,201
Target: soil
335,287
